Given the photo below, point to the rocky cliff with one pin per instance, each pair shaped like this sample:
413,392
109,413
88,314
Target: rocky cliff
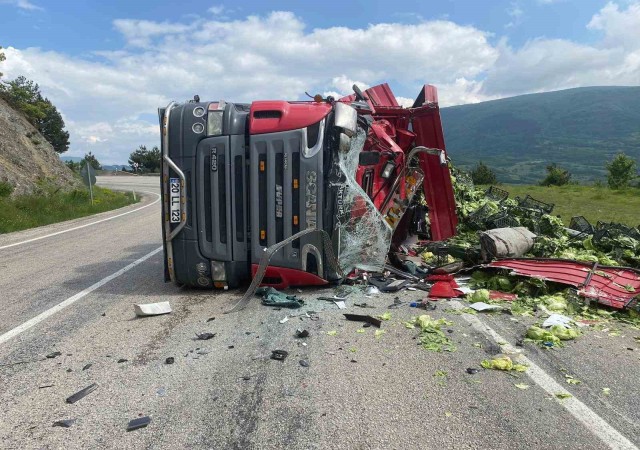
26,158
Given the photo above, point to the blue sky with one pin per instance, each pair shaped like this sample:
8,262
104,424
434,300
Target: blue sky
108,65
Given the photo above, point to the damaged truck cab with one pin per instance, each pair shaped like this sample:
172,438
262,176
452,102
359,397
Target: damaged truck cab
239,178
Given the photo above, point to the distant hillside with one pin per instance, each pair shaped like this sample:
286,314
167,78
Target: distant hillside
579,129
26,158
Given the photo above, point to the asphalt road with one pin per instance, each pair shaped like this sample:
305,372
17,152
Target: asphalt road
359,391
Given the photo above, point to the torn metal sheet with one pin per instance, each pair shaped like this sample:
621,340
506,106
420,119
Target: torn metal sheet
617,287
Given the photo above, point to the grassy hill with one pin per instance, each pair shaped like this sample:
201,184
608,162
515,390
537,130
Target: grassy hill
579,129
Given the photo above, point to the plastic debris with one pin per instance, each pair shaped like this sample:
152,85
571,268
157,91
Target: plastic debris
205,336
273,297
285,319
563,395
83,393
363,318
472,371
332,333
302,333
503,363
169,360
66,423
152,309
379,333
522,386
482,306
385,316
606,391
140,422
122,360
304,363
279,355
87,366
53,355
340,304
557,319
371,290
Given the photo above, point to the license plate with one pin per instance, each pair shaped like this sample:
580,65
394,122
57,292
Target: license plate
174,199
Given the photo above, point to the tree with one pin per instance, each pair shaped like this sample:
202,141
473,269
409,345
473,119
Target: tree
75,166
482,174
92,160
622,171
2,58
147,160
24,95
556,176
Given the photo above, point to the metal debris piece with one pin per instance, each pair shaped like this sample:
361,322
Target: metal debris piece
170,360
43,386
83,393
279,355
362,318
53,355
87,366
66,423
152,309
340,304
140,422
205,336
606,285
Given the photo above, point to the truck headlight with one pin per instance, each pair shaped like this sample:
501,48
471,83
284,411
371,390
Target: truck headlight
346,118
214,123
218,272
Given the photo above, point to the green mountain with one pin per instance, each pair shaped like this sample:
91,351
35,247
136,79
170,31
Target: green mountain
578,129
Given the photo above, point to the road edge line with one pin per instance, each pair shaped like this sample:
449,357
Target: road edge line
585,415
83,226
71,300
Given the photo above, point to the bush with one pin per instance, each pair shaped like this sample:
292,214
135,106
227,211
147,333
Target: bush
6,189
482,174
556,176
622,171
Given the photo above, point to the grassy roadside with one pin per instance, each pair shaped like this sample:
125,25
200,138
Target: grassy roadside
594,203
35,210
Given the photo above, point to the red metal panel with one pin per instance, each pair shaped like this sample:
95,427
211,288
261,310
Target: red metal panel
438,188
288,277
380,95
270,116
610,286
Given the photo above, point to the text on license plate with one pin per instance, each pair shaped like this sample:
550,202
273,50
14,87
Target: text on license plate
174,199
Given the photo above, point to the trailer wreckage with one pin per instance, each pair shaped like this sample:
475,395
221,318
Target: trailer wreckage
331,191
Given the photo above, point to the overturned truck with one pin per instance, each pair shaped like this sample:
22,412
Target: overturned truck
320,186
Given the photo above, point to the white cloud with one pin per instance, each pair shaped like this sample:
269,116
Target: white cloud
216,9
516,13
110,102
23,4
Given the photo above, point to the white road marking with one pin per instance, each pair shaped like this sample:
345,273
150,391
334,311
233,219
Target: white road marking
71,300
85,225
592,421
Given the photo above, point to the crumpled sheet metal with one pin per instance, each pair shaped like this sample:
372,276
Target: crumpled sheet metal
612,286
